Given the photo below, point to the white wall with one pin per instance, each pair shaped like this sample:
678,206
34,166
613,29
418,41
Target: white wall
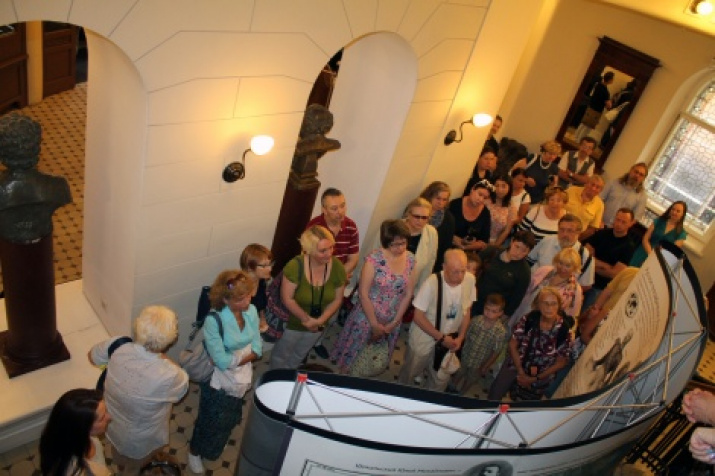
185,85
114,168
177,88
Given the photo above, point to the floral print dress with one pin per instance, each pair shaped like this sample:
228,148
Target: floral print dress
501,216
385,294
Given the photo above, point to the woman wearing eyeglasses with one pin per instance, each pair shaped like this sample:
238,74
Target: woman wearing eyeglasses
257,261
312,291
538,349
386,284
423,241
221,403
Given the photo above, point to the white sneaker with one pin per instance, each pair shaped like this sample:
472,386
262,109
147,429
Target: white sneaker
195,464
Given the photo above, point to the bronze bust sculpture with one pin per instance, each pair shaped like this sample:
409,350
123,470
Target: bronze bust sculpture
28,198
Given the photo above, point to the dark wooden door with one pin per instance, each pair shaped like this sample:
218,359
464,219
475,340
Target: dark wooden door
59,52
13,67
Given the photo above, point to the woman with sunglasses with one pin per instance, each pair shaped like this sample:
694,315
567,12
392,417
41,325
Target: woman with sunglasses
423,241
312,291
236,344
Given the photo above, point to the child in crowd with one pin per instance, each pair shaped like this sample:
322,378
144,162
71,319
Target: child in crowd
257,261
474,266
485,340
474,263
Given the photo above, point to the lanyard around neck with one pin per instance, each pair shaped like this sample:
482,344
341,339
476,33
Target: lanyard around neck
322,288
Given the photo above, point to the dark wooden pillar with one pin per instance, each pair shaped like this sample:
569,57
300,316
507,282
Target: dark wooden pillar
31,341
302,186
295,213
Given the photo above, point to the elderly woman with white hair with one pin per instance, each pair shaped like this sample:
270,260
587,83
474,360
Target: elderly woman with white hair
312,291
140,387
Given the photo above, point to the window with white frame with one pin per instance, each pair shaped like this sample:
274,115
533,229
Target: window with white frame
684,168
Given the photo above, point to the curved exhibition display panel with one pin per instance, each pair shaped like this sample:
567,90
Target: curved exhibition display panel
319,424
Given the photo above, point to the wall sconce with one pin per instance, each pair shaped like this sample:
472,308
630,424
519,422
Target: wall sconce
260,145
479,120
701,7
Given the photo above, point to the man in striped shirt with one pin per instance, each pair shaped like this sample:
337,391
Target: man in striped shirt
347,238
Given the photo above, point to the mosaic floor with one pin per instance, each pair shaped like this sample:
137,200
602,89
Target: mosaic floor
63,120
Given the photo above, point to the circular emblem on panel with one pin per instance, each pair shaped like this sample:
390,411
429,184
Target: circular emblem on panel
632,305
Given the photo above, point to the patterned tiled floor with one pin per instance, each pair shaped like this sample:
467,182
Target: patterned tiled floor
63,119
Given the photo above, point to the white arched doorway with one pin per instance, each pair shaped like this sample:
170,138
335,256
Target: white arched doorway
116,123
377,80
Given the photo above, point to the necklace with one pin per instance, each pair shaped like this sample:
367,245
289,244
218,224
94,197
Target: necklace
541,163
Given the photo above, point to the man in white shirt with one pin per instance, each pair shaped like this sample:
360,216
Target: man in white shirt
566,237
458,294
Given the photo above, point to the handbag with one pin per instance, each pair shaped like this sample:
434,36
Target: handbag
440,351
195,359
276,313
372,360
519,393
450,364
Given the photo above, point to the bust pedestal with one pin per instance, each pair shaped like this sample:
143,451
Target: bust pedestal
31,341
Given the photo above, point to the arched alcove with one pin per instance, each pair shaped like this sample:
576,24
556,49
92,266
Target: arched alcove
377,80
115,150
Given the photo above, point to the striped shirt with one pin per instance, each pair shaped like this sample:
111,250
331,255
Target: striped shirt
538,223
347,241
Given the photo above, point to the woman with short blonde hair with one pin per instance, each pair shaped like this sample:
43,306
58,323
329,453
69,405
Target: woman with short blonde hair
562,277
312,292
542,171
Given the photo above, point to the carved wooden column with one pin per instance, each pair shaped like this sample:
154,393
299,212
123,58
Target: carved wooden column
302,186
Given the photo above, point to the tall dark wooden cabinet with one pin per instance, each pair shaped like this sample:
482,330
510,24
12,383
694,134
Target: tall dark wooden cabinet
59,57
13,67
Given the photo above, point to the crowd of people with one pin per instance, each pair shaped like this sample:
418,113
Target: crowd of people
497,287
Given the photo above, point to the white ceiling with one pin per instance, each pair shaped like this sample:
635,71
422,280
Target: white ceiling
672,11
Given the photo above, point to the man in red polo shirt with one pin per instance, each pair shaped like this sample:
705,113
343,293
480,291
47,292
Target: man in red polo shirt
347,238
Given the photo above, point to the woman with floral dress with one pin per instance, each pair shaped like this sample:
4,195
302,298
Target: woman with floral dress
385,289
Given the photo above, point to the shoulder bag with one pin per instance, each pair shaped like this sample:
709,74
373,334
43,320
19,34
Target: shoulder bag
372,360
276,313
195,359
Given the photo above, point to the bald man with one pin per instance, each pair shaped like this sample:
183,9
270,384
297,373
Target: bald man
458,294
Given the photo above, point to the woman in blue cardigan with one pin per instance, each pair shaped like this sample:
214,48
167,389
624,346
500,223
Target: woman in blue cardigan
220,409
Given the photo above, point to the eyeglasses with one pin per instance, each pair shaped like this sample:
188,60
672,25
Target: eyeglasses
419,217
266,265
398,244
